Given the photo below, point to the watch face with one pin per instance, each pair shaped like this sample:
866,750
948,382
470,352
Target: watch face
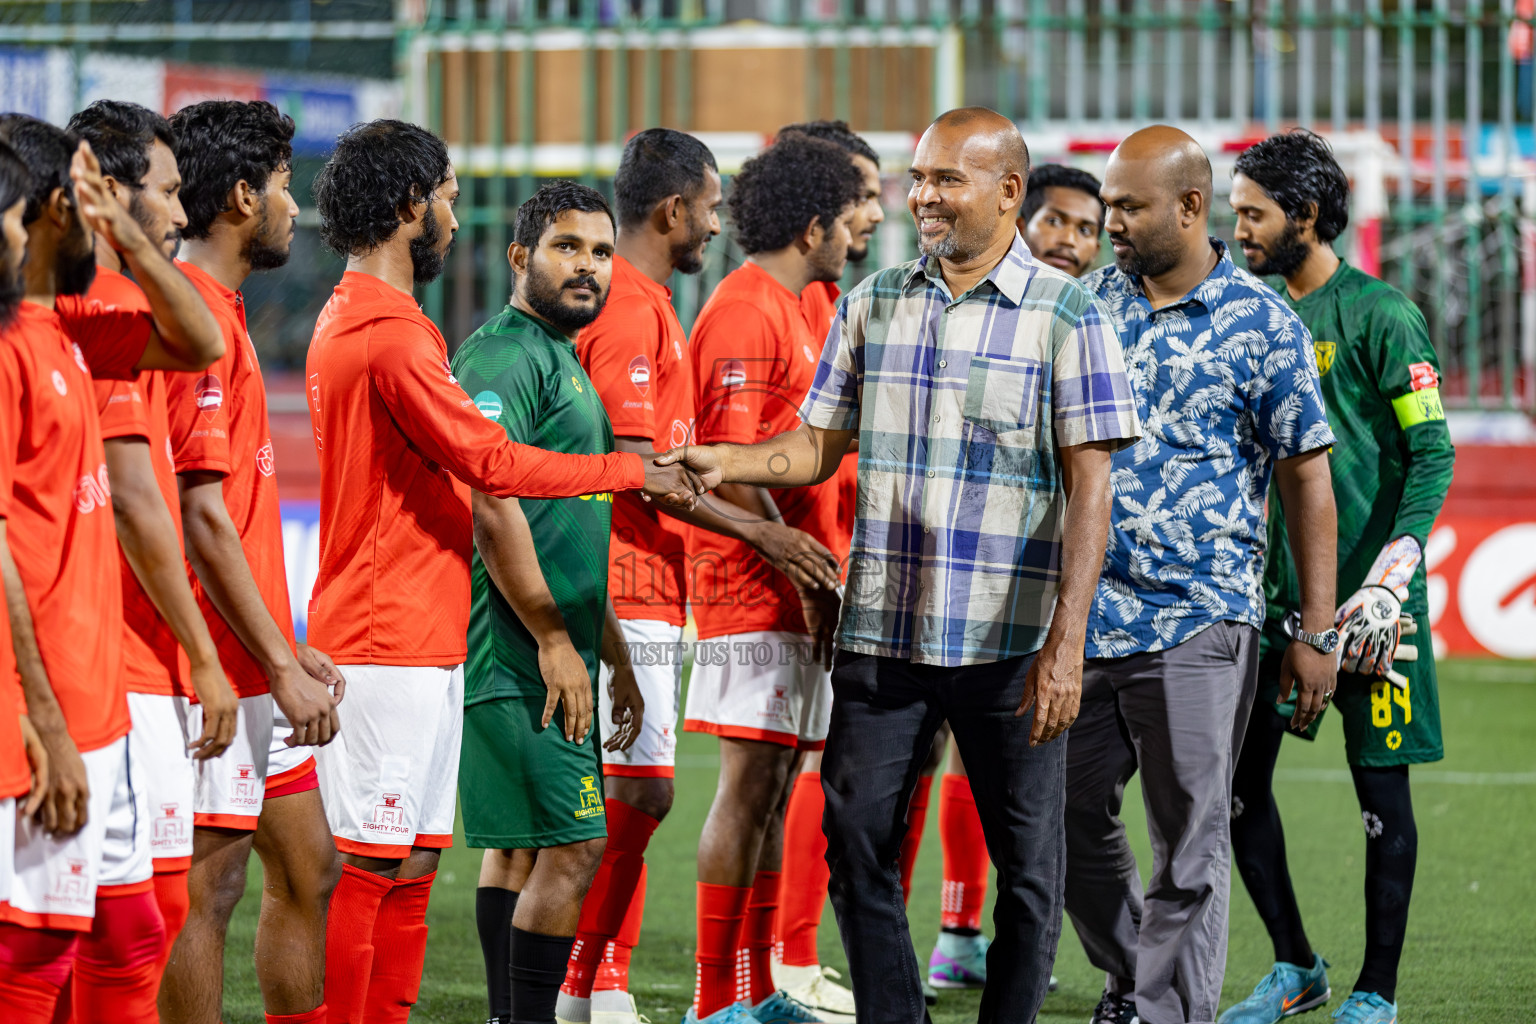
1328,642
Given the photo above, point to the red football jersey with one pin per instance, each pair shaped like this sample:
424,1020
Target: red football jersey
637,356
60,529
111,323
218,424
754,358
400,443
819,304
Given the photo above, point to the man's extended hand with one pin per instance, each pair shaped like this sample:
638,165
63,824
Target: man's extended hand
37,759
628,709
703,459
1313,674
569,683
221,710
307,704
1054,686
798,555
675,485
100,211
66,803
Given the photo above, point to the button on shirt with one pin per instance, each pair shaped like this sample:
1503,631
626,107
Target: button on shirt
1226,383
961,405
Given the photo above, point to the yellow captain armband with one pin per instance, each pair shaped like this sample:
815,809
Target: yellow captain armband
1418,407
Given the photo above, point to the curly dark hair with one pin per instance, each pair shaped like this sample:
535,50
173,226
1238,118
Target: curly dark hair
46,150
539,211
122,134
657,163
838,133
1058,176
15,179
1297,168
377,168
779,192
220,143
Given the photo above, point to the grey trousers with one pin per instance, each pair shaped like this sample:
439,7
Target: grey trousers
1178,716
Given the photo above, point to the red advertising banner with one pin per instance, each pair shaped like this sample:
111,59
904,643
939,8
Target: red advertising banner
186,84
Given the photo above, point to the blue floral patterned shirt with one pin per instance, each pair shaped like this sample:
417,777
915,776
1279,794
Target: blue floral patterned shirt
1225,382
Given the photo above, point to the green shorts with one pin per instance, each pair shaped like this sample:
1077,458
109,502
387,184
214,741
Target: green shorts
1383,725
523,787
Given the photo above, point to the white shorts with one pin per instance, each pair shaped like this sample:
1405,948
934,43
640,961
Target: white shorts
656,652
390,777
232,787
289,769
54,878
162,762
762,685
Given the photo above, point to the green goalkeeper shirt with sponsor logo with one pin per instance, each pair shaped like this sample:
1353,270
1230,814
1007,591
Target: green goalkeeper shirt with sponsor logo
524,374
1392,461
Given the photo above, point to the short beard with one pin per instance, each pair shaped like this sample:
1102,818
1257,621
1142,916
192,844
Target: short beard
1284,257
140,217
952,246
688,255
825,264
858,255
260,252
75,268
426,259
543,297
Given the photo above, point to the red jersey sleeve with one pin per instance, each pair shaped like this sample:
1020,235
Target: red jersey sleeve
739,371
112,323
198,406
124,413
418,388
620,351
11,394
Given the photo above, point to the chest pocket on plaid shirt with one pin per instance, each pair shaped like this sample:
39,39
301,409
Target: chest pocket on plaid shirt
1003,397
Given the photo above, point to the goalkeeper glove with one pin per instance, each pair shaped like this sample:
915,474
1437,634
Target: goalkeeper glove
1372,623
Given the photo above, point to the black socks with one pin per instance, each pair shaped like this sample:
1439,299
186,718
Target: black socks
538,968
493,919
1391,852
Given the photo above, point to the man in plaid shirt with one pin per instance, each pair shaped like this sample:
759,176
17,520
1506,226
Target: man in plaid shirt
987,392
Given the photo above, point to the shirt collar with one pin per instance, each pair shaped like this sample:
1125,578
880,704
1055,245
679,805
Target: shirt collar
1206,293
1010,277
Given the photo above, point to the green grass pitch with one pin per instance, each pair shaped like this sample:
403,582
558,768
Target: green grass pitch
1471,953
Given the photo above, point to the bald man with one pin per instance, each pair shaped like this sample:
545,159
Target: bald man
1226,383
987,392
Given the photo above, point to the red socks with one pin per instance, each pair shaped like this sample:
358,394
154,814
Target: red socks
316,1016
115,970
757,936
612,895
400,948
349,941
917,817
175,903
613,972
34,966
804,893
721,911
965,855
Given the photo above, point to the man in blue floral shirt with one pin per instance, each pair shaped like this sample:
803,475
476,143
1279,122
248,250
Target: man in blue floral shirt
1226,386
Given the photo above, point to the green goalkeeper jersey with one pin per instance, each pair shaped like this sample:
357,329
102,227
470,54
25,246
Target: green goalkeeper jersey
1392,462
523,374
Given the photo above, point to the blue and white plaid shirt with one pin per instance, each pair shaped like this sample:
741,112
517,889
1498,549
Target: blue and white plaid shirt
961,405
1226,384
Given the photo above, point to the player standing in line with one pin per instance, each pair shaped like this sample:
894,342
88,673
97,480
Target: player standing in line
541,615
235,159
167,649
803,888
84,866
15,185
1390,468
760,670
636,353
398,440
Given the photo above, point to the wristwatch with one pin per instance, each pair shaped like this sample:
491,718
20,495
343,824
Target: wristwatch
1325,642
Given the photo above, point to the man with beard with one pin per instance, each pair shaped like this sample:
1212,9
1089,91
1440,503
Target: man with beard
15,183
636,353
989,393
1225,382
754,355
1063,217
65,622
398,440
1390,469
168,650
531,796
235,160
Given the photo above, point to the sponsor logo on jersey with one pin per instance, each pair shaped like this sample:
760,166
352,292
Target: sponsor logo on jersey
264,458
208,393
245,787
58,383
1422,376
449,371
80,360
810,356
489,404
576,383
1394,740
682,433
167,831
640,374
677,347
589,797
733,373
93,492
388,816
1325,352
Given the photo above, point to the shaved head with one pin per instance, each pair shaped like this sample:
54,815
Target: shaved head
1171,159
968,178
1157,187
992,130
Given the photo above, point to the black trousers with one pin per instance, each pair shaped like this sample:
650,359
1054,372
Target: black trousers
885,712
